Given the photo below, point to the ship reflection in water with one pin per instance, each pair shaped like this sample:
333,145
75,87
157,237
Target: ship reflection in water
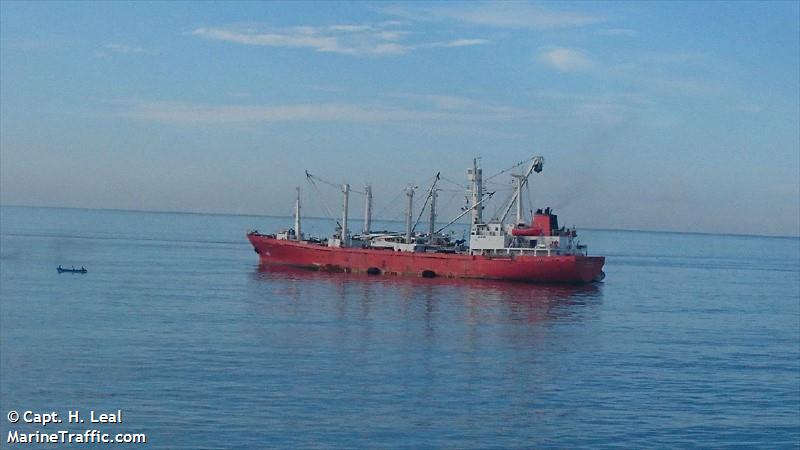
434,362
466,300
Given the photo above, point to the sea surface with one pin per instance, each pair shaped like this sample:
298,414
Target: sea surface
692,340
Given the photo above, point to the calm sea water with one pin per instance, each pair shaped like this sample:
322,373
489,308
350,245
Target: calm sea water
692,340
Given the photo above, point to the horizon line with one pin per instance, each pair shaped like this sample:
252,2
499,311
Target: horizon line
202,213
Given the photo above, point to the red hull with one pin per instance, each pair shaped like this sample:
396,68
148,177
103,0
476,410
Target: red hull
546,269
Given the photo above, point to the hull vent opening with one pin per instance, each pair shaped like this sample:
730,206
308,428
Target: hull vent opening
428,274
373,271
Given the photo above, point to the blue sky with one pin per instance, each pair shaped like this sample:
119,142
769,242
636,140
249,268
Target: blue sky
661,116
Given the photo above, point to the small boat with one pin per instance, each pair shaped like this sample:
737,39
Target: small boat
72,270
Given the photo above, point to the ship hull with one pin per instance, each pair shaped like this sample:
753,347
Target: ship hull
543,269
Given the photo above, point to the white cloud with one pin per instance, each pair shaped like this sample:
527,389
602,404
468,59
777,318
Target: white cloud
381,39
566,59
351,28
499,14
292,37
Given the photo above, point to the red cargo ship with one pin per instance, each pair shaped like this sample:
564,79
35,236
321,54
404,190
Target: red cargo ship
535,252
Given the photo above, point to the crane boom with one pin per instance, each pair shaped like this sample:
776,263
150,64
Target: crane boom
537,162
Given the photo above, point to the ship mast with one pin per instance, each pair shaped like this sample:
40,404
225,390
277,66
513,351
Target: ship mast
519,180
346,191
367,208
475,176
432,220
409,212
297,233
429,196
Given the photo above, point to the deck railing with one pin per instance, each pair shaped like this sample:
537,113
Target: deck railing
509,251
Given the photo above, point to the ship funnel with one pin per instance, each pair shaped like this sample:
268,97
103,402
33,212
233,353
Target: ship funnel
546,221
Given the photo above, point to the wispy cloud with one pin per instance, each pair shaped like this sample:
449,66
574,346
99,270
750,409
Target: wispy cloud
499,14
566,59
34,44
606,112
324,88
380,39
672,58
122,49
444,109
658,73
291,37
675,84
607,109
457,43
636,98
627,32
452,103
438,101
750,108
